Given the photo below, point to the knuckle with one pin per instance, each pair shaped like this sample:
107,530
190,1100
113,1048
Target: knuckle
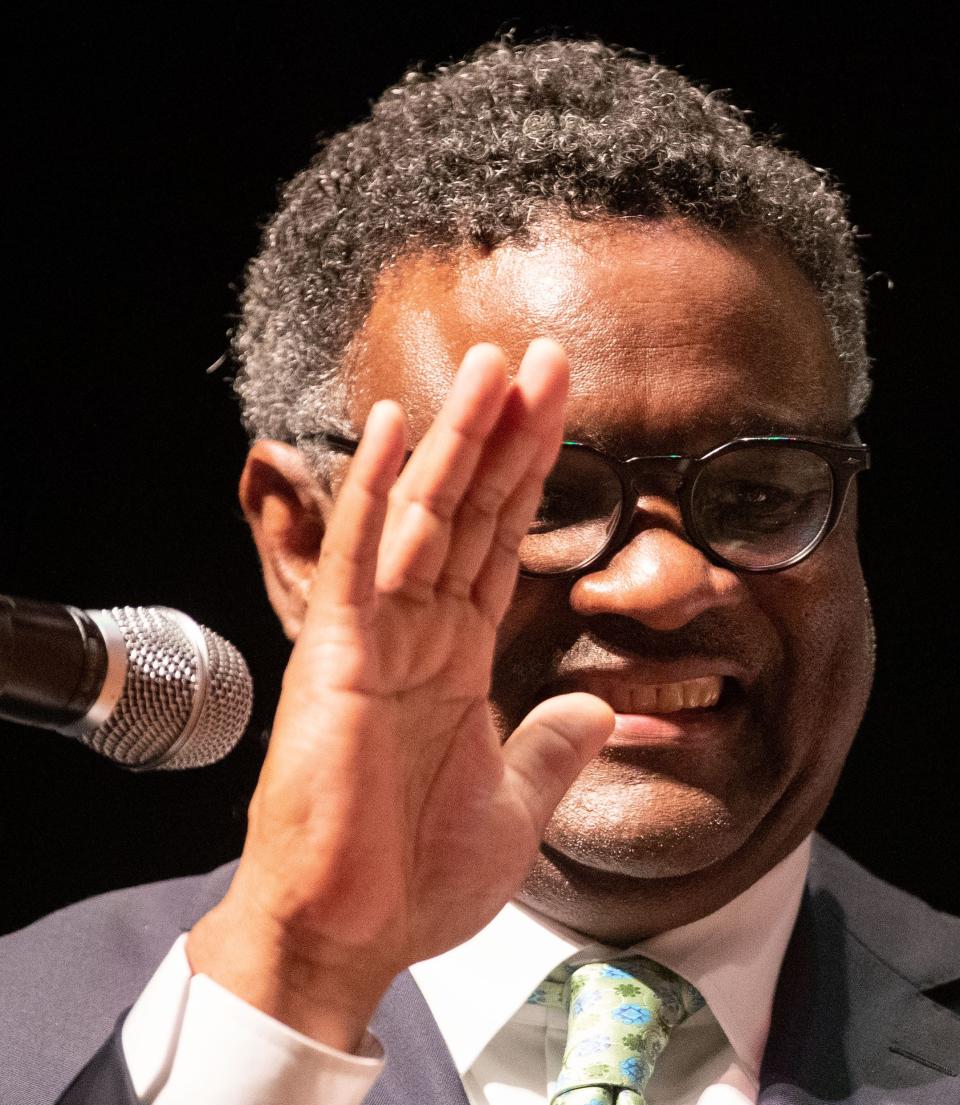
408,587
441,502
485,500
454,586
508,537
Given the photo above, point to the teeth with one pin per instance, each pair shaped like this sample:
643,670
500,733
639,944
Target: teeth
665,698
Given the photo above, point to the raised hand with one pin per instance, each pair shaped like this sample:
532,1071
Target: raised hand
390,823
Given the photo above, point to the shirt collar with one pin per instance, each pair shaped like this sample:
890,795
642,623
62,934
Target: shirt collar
733,956
474,989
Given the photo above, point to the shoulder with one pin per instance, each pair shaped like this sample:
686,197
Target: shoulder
67,978
920,943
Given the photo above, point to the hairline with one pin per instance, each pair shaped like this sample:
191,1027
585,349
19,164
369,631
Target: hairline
286,387
548,227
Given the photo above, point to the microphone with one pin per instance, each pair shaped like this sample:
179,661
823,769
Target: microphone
147,687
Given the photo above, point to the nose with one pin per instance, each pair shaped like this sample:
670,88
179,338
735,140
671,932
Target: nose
658,577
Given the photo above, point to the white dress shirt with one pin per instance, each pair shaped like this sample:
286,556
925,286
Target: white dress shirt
188,1040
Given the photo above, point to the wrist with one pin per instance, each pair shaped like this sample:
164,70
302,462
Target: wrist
324,993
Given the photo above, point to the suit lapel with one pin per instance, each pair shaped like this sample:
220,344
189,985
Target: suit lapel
419,1067
847,1027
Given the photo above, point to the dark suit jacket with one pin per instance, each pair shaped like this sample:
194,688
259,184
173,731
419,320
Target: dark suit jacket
867,1009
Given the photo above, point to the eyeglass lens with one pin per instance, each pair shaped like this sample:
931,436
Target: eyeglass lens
580,508
762,506
757,507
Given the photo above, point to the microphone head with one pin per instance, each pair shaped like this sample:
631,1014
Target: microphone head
186,692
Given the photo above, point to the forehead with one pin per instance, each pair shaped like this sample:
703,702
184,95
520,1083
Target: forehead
677,337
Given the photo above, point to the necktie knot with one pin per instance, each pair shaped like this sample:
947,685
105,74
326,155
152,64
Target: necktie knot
620,1017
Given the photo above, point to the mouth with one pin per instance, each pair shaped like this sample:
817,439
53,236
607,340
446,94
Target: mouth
701,693
700,708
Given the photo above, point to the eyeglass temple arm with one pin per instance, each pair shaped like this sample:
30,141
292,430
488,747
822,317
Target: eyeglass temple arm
669,463
339,443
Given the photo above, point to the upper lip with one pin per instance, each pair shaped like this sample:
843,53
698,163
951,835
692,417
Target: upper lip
645,673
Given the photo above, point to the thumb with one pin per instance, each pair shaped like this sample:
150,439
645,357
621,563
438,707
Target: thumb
551,746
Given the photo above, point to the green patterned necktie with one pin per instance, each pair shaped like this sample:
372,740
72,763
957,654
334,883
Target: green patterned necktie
621,1015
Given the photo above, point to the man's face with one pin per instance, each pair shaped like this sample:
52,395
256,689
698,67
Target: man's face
678,340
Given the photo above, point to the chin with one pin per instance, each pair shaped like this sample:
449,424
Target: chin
654,829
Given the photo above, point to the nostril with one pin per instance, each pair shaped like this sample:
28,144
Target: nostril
659,579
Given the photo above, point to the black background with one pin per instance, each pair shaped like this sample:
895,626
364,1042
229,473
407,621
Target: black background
143,148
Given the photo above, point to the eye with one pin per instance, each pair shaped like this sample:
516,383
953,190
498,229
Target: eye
759,496
562,506
762,507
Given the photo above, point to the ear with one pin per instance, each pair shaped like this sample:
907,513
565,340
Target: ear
287,509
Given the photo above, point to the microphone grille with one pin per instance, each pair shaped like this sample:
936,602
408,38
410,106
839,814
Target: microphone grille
186,698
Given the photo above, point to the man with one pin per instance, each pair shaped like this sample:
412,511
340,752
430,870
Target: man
622,754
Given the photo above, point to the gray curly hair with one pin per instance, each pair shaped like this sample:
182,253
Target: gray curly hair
477,152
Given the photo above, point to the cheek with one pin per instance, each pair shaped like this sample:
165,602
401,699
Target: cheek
532,610
821,612
536,627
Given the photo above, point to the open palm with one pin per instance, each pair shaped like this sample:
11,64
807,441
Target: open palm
389,821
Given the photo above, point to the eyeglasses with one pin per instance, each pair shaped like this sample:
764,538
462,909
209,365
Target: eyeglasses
754,504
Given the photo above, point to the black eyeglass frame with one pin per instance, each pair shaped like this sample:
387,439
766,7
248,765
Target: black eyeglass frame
845,461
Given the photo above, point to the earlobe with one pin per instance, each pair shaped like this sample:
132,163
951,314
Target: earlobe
286,508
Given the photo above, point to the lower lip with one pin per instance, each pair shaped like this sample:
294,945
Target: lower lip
680,727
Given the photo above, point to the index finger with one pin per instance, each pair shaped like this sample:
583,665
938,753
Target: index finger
347,565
